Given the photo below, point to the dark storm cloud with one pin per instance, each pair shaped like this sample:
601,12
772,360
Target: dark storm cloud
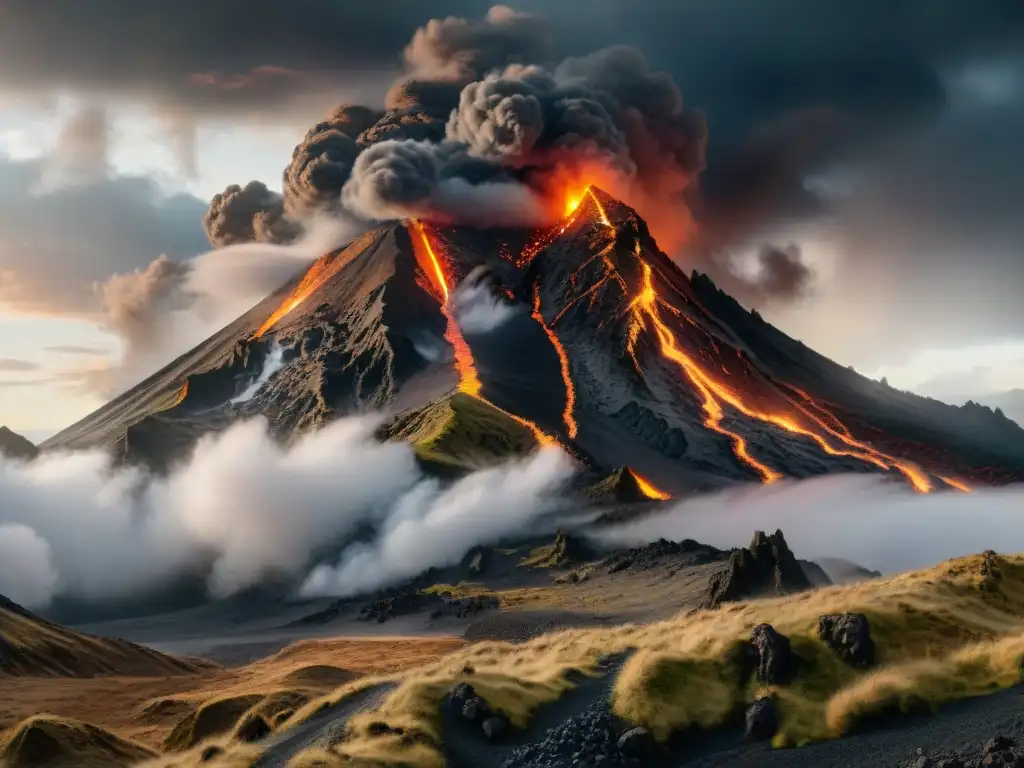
55,244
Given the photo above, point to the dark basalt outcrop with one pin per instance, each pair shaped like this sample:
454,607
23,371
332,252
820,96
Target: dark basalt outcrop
766,567
660,554
770,656
849,635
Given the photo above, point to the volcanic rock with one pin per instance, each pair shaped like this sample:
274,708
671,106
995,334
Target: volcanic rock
659,554
637,742
849,635
14,446
618,487
770,655
565,551
494,727
210,753
761,719
767,566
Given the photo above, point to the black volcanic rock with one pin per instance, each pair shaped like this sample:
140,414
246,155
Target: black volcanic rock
766,567
849,635
661,554
770,655
14,446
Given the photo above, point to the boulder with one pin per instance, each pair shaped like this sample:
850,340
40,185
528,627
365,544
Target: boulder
770,655
762,719
494,727
849,635
637,743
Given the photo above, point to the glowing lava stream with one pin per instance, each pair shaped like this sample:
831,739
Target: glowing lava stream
648,489
960,485
313,279
469,381
563,361
712,392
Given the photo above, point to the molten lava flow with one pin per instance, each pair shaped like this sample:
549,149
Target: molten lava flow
960,485
647,303
432,260
182,394
313,279
563,362
469,381
600,208
649,490
714,393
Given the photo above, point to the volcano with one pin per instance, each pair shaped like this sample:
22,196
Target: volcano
647,375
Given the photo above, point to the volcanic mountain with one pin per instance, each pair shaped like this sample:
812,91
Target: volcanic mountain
605,347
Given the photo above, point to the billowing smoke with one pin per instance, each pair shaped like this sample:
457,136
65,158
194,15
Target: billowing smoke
164,310
868,519
245,509
484,129
248,214
435,526
477,307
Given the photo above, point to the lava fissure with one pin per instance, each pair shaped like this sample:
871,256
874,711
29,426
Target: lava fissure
648,489
469,380
571,427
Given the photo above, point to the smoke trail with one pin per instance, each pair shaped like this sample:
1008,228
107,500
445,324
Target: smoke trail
271,365
245,509
476,307
864,518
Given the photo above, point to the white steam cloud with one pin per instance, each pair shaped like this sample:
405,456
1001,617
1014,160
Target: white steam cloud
476,307
243,509
432,526
273,362
867,519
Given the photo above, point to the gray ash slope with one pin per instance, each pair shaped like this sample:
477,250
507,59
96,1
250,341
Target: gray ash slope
641,340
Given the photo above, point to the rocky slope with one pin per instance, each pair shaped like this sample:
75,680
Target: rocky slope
608,349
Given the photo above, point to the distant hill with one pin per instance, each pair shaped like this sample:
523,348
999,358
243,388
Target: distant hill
30,645
14,446
1011,403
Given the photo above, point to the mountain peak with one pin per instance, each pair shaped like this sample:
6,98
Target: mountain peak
14,446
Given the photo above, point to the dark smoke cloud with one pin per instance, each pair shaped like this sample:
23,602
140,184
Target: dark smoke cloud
411,179
321,164
247,214
459,50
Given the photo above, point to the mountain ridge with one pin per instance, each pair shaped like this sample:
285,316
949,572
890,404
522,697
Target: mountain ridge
611,350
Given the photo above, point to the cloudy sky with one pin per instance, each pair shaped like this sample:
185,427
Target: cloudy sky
861,183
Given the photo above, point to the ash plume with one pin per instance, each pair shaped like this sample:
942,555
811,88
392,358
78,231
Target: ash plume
247,214
782,272
82,154
245,509
484,128
867,519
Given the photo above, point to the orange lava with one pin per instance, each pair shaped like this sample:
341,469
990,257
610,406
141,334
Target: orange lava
647,303
571,426
960,485
313,279
573,201
715,393
469,381
182,394
648,489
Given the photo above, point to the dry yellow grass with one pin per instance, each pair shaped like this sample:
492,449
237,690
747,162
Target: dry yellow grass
942,633
56,742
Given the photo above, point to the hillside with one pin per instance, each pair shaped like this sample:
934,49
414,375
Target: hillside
32,646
